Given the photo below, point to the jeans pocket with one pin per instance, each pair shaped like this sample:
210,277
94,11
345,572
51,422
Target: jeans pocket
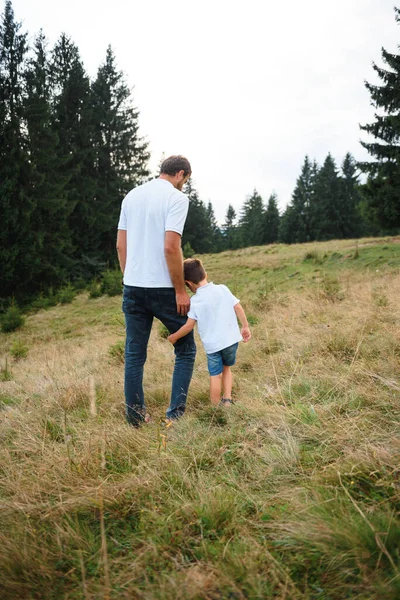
128,300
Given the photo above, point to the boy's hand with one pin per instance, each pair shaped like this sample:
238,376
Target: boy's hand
171,338
246,335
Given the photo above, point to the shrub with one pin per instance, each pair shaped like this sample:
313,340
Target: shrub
12,319
66,294
45,301
313,256
111,283
188,251
18,350
94,290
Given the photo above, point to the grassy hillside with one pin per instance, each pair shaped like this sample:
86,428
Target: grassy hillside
293,493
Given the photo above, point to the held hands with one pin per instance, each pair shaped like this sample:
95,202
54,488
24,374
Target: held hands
246,335
171,338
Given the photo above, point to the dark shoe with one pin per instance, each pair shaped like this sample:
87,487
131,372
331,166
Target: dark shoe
226,402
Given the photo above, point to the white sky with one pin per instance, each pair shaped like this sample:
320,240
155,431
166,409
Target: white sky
244,89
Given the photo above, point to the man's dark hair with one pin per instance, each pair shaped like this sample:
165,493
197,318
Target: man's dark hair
173,164
193,270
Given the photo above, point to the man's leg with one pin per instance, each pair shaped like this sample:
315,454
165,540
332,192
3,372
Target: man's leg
185,354
138,326
164,308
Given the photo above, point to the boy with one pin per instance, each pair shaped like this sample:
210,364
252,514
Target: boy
216,311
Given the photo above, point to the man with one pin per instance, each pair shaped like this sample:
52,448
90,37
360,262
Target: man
149,251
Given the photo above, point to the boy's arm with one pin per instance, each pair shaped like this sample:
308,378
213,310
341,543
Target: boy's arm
243,321
184,330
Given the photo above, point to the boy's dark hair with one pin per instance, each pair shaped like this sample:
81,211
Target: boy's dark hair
193,270
173,164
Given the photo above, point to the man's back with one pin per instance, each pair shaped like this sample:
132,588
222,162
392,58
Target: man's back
147,212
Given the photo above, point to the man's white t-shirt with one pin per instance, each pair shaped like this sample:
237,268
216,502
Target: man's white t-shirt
212,306
147,212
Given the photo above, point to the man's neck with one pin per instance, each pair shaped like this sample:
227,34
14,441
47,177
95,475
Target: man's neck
172,180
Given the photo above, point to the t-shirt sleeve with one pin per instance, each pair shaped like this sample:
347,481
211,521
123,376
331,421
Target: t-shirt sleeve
122,223
192,312
177,213
230,296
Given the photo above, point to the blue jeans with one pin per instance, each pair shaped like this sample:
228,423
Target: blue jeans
140,306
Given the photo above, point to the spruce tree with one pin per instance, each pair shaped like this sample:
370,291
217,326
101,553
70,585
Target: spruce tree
216,234
327,215
229,229
72,121
383,189
16,206
287,226
297,220
271,221
251,221
351,220
49,219
197,231
121,155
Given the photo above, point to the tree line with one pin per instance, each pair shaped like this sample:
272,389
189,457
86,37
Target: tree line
326,204
70,150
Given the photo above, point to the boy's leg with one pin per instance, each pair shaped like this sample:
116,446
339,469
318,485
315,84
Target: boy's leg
215,368
227,382
215,389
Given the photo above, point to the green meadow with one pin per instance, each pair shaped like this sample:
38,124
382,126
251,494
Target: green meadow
292,493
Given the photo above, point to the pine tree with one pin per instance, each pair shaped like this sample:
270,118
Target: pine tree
327,209
197,231
271,221
287,226
351,220
383,189
49,219
251,221
229,229
16,207
72,121
121,155
216,234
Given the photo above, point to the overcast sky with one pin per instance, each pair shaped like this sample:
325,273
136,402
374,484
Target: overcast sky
244,89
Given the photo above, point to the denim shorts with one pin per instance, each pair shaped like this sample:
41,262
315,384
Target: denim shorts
223,358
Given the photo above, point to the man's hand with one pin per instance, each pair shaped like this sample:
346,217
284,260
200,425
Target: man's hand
171,338
182,303
246,335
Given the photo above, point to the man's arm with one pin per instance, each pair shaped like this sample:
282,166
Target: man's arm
243,321
184,330
121,248
173,256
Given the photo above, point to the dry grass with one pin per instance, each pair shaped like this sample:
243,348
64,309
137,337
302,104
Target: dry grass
294,493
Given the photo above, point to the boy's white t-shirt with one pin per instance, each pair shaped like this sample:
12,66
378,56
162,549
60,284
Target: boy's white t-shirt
147,212
212,306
